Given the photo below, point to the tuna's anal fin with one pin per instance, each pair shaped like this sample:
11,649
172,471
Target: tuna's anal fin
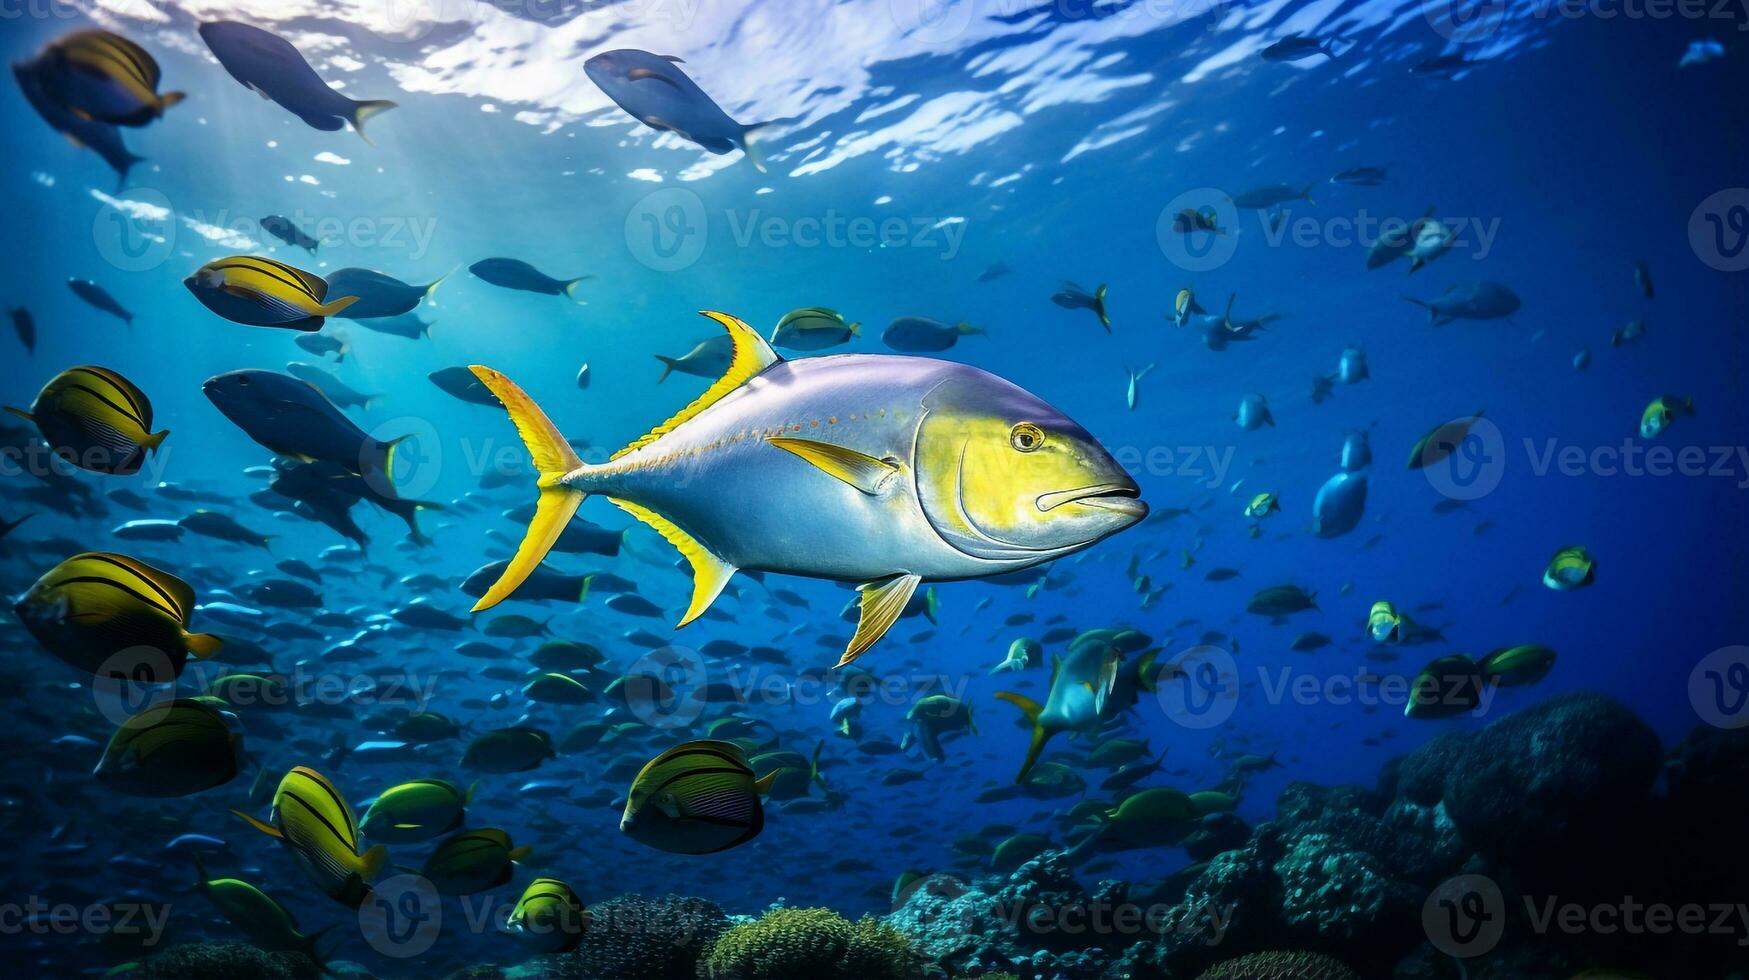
553,458
750,356
709,573
881,604
860,470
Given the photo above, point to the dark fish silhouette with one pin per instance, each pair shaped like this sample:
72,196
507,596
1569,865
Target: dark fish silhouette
379,295
517,274
101,137
658,94
282,228
97,296
268,65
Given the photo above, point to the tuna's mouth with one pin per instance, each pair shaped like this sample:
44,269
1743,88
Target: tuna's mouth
1122,498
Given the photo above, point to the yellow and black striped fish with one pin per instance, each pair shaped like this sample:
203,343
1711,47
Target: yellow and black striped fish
316,824
173,749
698,797
96,420
472,861
260,292
549,917
105,77
96,606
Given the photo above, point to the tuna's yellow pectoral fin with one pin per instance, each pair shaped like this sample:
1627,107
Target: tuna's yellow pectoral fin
881,603
860,470
764,783
750,356
709,573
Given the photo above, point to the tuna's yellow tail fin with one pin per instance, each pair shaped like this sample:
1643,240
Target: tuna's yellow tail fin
553,458
1040,735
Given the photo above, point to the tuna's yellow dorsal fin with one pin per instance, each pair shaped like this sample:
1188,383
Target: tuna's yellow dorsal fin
751,355
882,603
709,573
860,470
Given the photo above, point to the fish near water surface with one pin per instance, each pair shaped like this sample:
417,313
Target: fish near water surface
892,470
270,66
102,76
654,91
102,138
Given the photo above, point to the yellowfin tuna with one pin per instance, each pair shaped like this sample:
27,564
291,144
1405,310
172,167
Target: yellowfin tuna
260,292
315,823
96,420
699,797
96,605
892,470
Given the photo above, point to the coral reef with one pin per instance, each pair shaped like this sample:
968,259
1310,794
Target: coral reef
637,938
811,944
1556,803
224,961
1280,966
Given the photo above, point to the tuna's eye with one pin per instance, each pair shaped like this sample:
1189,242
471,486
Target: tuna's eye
1026,437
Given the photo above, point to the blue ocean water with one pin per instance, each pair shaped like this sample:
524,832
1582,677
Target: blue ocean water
913,159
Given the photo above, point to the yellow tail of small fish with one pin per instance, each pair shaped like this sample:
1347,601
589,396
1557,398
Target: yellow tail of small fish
1040,736
364,109
335,306
202,645
553,458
